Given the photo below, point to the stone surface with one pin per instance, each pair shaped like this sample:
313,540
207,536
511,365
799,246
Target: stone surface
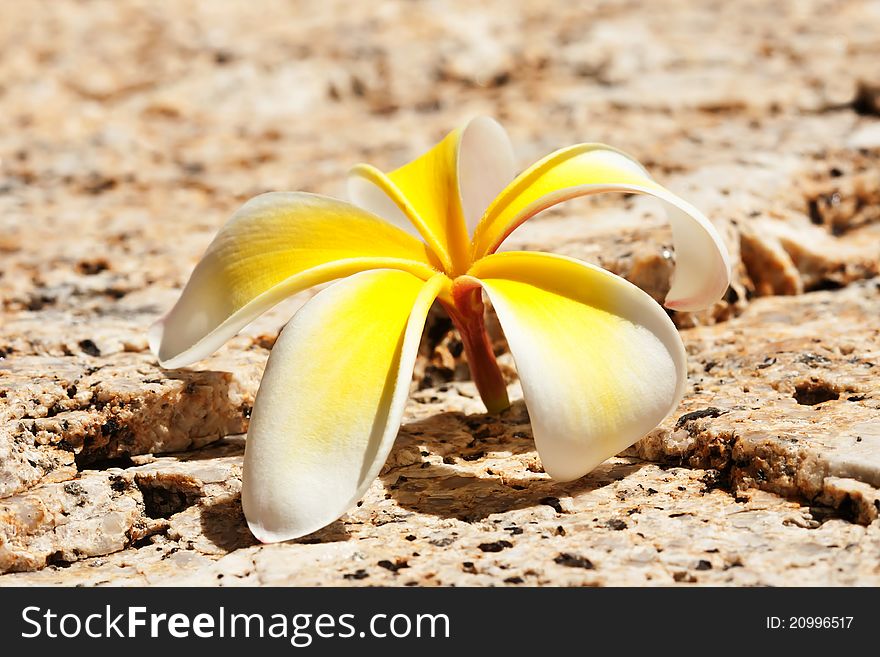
767,474
796,412
131,130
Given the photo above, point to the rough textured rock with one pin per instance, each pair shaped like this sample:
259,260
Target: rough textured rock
65,413
131,130
797,412
766,477
105,511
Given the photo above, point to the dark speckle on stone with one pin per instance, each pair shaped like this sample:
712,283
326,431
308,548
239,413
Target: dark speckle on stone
222,57
495,546
573,561
110,427
704,565
616,524
92,267
193,168
814,212
393,566
358,574
552,502
119,484
74,488
813,360
696,415
815,391
89,347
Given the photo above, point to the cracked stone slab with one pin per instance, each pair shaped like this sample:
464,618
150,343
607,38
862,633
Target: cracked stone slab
123,151
102,512
629,522
61,413
754,480
785,398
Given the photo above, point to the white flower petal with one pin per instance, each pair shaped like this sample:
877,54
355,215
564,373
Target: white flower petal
600,362
441,194
485,167
331,400
702,262
366,194
276,245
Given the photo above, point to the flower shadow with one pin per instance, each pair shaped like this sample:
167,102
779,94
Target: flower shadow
469,467
223,524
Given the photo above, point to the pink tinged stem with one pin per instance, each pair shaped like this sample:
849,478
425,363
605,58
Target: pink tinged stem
467,314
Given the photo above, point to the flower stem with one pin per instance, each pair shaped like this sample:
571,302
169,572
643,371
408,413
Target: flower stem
467,314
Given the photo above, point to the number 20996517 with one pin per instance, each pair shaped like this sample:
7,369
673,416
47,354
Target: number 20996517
809,622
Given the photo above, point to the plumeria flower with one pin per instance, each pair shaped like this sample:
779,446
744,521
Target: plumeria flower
600,362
